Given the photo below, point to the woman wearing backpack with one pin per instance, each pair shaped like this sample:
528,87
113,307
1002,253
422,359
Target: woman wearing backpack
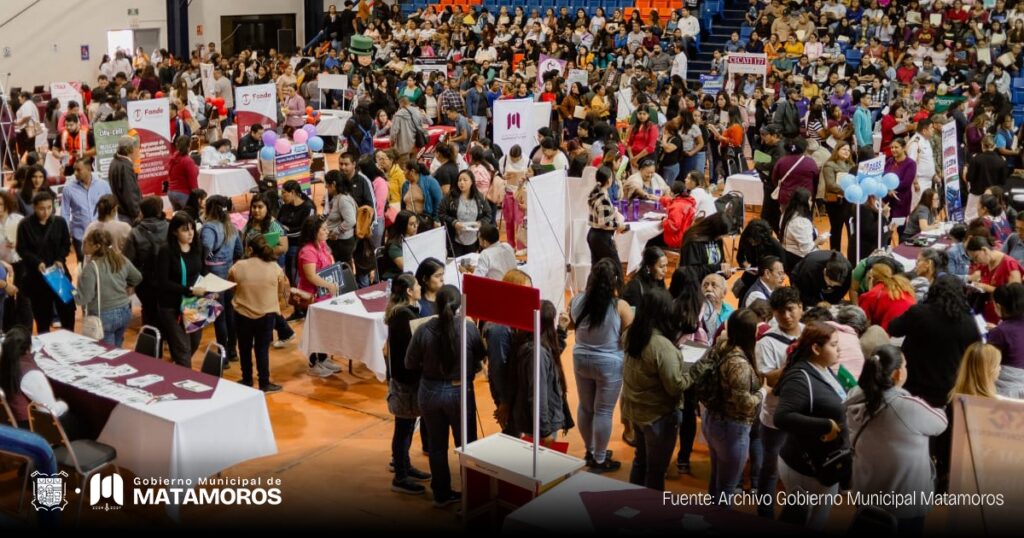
223,248
814,457
359,133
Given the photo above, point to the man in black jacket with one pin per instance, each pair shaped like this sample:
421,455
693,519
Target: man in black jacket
124,183
44,242
787,117
249,145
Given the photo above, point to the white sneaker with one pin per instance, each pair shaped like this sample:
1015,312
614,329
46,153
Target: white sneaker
318,370
278,344
331,365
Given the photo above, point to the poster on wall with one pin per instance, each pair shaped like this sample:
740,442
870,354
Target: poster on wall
106,134
206,76
255,104
951,173
293,166
65,92
151,122
516,121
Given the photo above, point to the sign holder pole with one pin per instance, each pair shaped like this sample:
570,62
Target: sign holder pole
536,388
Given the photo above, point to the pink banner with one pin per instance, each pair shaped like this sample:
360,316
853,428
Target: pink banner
255,104
150,121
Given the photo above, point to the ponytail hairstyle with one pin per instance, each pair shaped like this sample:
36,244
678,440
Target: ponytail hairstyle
106,207
837,268
105,249
400,286
448,302
260,249
651,256
876,377
218,208
815,333
895,285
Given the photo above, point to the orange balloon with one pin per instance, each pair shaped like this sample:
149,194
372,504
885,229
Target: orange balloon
309,110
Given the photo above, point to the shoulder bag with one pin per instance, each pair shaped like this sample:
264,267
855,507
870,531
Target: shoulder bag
92,326
778,188
838,464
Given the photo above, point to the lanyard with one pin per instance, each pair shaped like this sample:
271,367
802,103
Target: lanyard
181,260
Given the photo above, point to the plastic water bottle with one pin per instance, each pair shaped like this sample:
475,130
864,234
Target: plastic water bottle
636,209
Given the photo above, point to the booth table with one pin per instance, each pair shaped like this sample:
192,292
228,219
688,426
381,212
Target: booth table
749,185
230,180
187,438
349,327
330,125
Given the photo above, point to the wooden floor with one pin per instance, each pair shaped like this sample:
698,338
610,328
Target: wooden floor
333,438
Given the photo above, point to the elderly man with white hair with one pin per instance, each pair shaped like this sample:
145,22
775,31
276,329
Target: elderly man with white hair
715,311
124,183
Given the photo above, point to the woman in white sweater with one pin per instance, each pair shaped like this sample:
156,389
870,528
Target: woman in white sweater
799,237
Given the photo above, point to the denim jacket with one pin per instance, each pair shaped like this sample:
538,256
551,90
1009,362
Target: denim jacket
959,263
219,256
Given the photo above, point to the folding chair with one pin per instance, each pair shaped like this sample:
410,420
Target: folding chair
84,457
213,360
148,342
29,448
13,422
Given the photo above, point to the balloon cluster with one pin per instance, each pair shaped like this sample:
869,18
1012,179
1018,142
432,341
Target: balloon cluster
272,145
312,116
857,188
218,103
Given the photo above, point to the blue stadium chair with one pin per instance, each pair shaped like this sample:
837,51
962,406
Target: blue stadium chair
745,32
1018,83
1017,96
853,57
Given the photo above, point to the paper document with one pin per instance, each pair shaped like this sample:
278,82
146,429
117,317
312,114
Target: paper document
213,284
693,352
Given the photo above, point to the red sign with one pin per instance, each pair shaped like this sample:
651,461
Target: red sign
500,302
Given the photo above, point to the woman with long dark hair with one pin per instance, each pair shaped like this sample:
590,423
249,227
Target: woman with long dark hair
890,431
650,275
43,242
600,317
604,220
731,411
262,223
810,411
799,236
405,225
829,191
434,353
341,220
463,210
430,274
703,247
925,216
223,246
179,265
403,384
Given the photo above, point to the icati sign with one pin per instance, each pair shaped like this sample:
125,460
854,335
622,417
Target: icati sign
748,63
255,104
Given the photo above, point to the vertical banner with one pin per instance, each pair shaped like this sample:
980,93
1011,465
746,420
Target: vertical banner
516,121
151,122
293,166
429,244
547,64
255,104
545,235
107,134
951,173
65,92
623,104
206,76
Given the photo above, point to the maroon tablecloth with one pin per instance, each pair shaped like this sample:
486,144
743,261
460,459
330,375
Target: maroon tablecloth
911,251
374,305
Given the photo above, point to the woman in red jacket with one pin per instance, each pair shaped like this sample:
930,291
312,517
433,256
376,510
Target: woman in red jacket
182,174
889,296
643,137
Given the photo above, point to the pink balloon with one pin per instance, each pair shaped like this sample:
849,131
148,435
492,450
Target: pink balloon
300,136
282,146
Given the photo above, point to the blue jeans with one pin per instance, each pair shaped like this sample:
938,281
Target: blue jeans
224,325
441,411
669,174
291,263
772,440
481,125
654,445
401,440
254,335
728,442
598,382
756,454
115,321
689,164
687,427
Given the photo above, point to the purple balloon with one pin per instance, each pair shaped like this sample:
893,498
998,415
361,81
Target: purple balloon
310,129
269,138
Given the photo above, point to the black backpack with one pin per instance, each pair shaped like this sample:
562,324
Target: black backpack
730,205
708,386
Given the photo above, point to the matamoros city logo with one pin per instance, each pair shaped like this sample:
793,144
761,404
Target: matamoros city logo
107,492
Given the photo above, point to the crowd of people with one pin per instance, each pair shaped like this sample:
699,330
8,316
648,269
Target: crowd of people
811,351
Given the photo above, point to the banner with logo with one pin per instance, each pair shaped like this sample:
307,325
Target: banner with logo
576,75
106,134
747,63
872,167
951,172
255,104
712,83
547,64
293,166
206,76
65,92
516,121
151,122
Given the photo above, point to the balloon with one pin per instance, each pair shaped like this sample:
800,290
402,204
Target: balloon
310,120
870,186
854,194
882,190
846,180
300,136
282,146
315,143
269,137
222,111
309,110
891,181
209,100
158,94
267,153
218,101
310,130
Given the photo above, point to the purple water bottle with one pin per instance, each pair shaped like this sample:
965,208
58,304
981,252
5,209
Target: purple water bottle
624,208
636,209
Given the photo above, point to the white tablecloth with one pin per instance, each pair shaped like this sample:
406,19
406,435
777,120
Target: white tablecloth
225,181
560,510
343,327
749,185
631,243
188,438
330,126
231,134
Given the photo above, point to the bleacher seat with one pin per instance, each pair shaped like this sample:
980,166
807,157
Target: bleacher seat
853,57
745,32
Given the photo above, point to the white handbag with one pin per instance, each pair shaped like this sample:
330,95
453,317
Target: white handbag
92,326
778,188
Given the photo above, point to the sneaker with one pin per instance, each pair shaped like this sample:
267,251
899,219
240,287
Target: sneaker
244,382
418,475
684,468
452,498
233,358
296,316
317,370
590,457
278,344
391,466
270,388
408,487
331,365
608,466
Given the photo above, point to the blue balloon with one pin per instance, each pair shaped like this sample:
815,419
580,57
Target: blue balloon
871,186
315,143
846,180
891,181
854,194
267,153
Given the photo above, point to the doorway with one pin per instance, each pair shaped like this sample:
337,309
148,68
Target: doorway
148,39
256,32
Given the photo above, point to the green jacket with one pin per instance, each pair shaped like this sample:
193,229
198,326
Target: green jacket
653,383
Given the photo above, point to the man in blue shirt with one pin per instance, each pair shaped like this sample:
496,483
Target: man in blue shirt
463,132
477,104
79,198
863,126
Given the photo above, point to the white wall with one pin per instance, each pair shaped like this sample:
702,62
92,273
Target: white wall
66,25
209,12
